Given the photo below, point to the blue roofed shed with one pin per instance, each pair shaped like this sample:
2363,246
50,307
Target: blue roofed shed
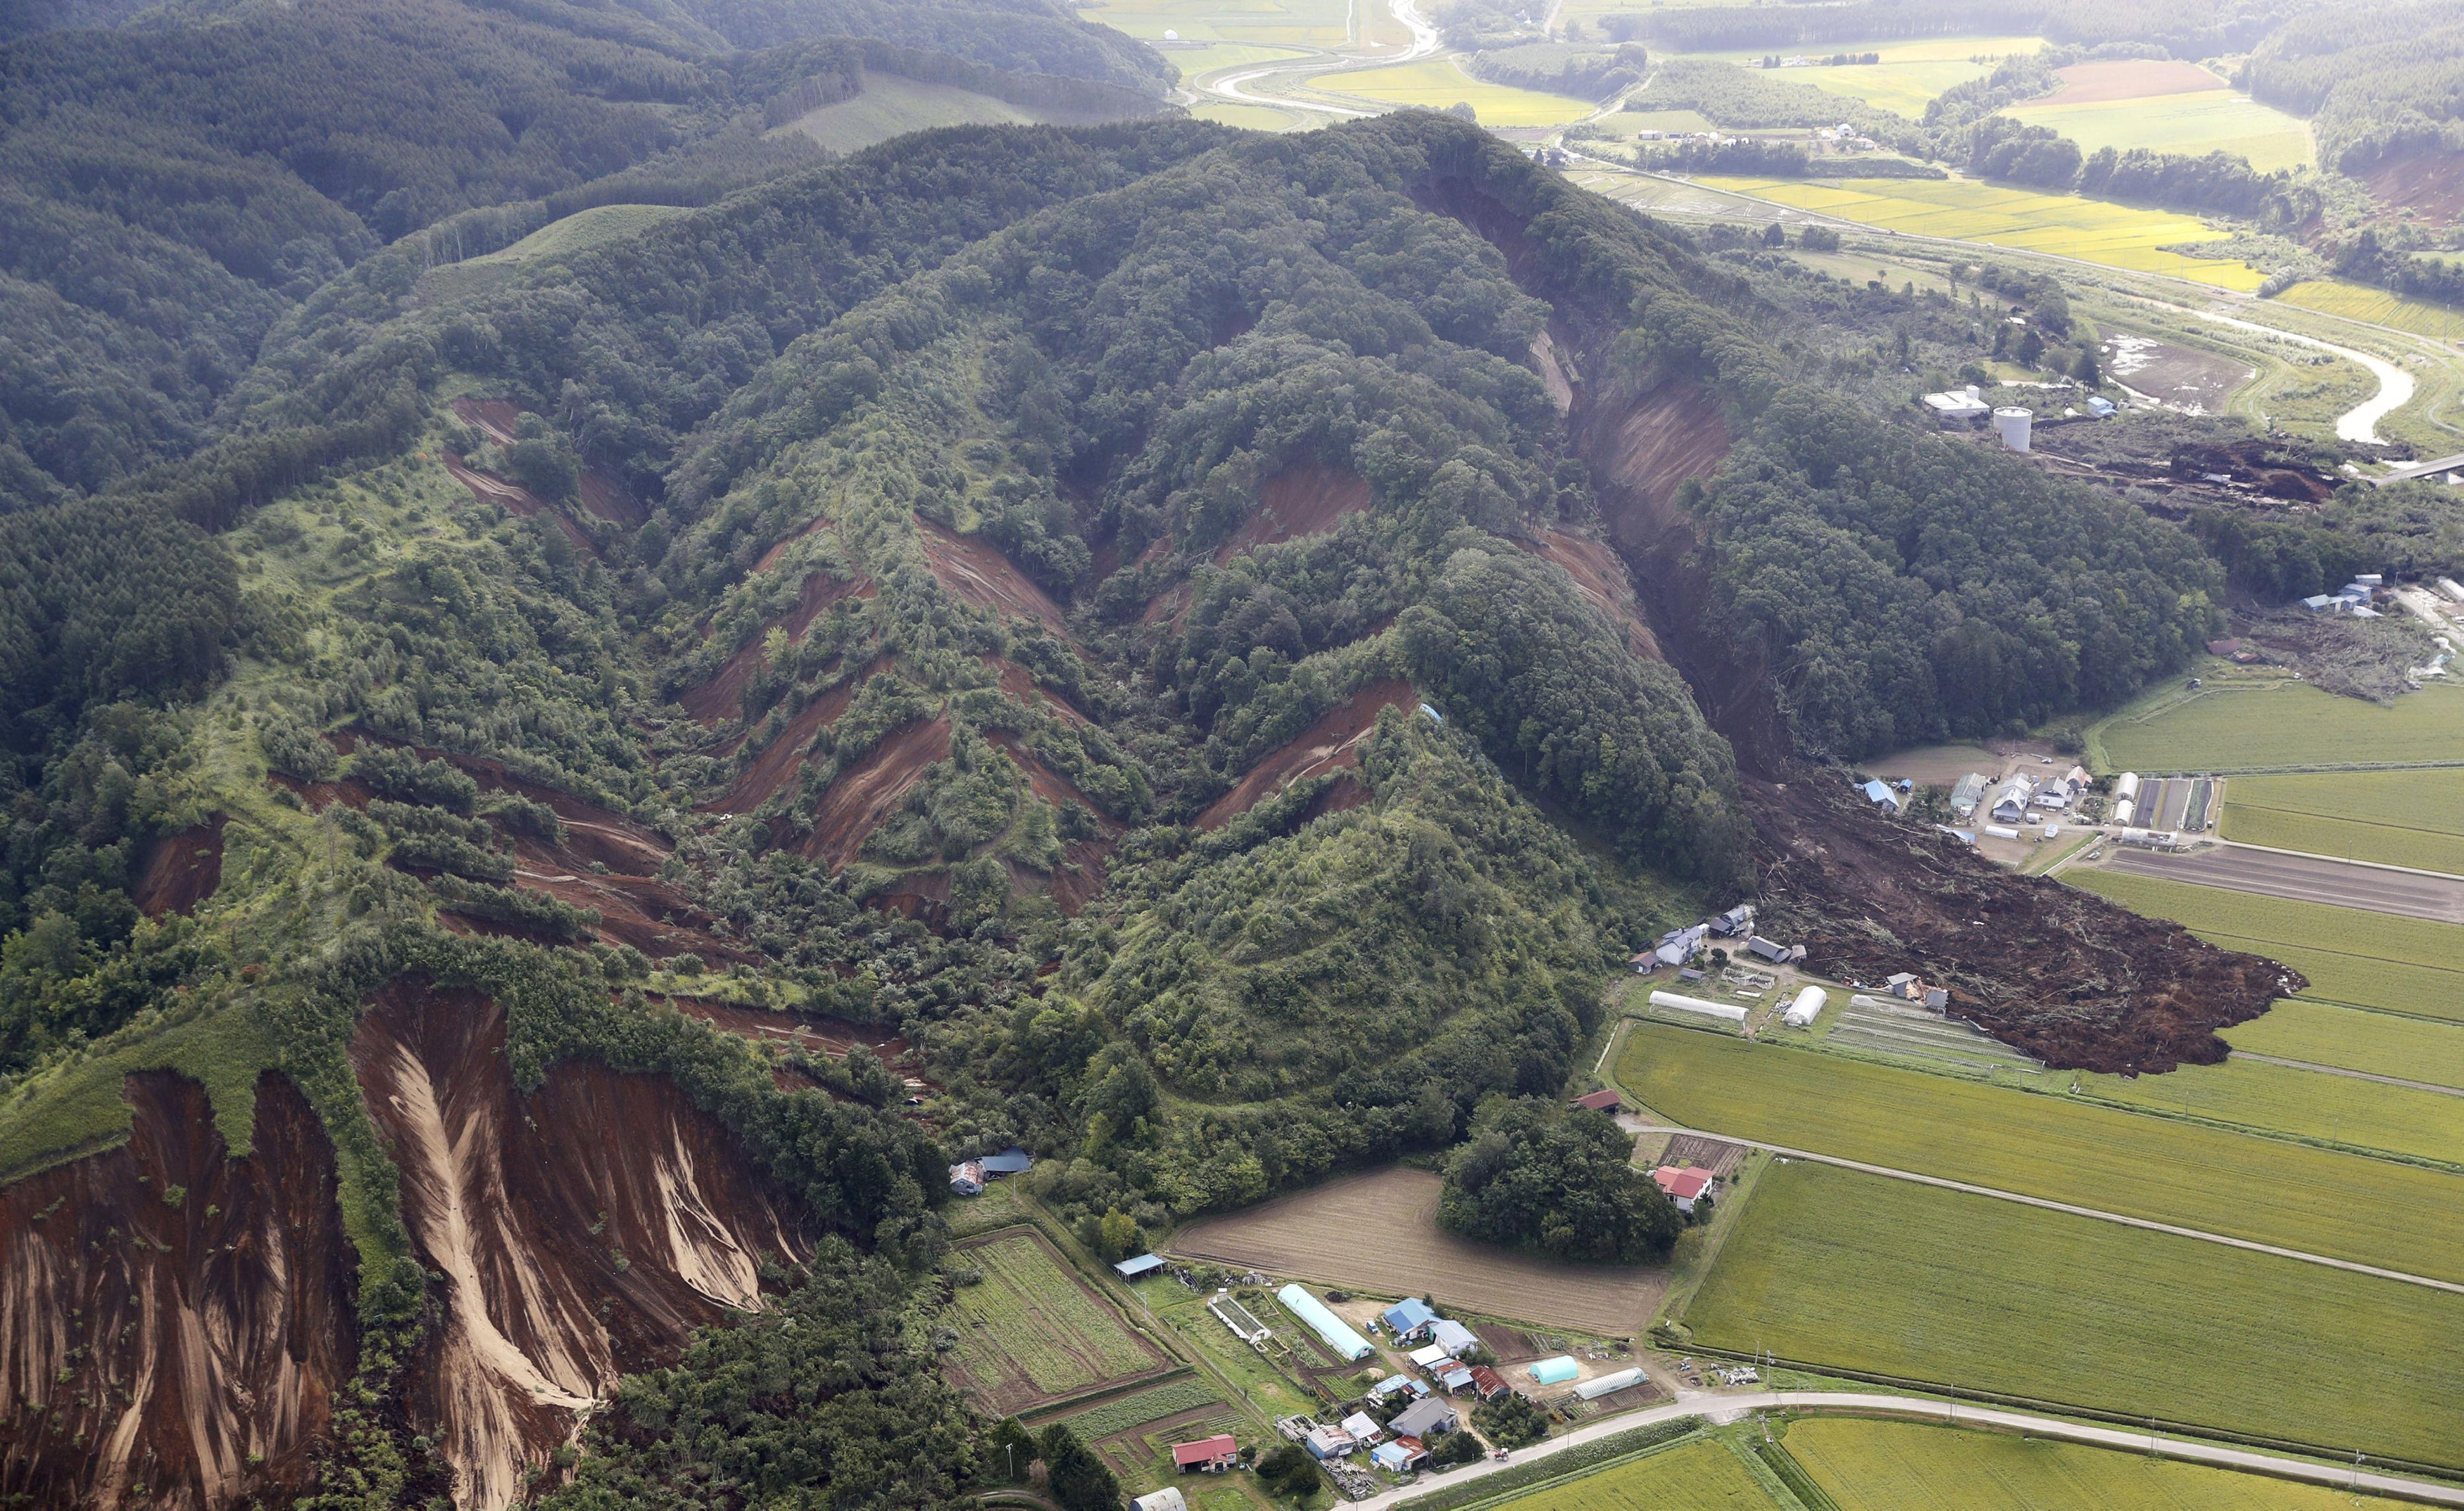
1406,1318
1143,1264
1012,1161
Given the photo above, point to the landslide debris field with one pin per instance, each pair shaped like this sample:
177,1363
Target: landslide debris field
2078,982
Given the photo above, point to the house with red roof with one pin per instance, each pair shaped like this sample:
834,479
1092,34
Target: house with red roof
1488,1384
1208,1455
1599,1101
1683,1187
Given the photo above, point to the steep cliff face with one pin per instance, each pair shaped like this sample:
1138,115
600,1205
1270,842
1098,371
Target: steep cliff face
174,1321
580,1231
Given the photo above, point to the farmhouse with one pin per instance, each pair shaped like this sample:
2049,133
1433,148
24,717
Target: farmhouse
1424,1419
1399,1457
1456,1378
1488,1384
1432,1357
1328,1442
1880,795
968,1178
2011,800
1683,1187
1407,1318
1598,1102
1208,1455
1736,921
1398,1385
1965,794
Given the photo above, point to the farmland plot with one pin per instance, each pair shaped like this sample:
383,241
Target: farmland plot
1379,1234
2397,819
2377,307
1909,1466
1858,1271
2369,959
2284,726
1033,1332
2350,1038
2308,1103
2346,1206
1700,1476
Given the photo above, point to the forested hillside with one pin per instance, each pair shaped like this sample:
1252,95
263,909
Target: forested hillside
1210,646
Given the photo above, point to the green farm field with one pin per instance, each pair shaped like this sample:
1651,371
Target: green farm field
1857,1272
2377,307
2376,1043
2267,1190
1909,1466
1310,23
1032,1331
2282,726
2369,959
1911,74
583,229
1438,82
2210,120
2398,818
1700,1476
2090,230
2306,1104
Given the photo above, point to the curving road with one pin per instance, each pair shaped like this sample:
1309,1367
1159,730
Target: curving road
1730,1408
1235,87
1637,1126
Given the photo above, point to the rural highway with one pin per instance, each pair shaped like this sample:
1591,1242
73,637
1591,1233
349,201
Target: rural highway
1720,1407
1634,1125
2303,878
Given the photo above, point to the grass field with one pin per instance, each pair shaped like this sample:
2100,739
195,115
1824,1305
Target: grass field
2369,959
1625,124
1438,82
1909,1466
1857,1272
1910,73
1032,1331
2308,1103
1700,1476
585,228
2211,120
892,105
2379,1043
2283,727
2399,818
2090,230
2347,1205
1122,1413
2377,307
1316,23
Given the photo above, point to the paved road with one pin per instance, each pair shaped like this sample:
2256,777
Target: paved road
2305,878
2357,1074
1633,1125
1236,86
1732,1407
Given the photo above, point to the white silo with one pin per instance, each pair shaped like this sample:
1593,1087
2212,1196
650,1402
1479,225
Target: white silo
2010,422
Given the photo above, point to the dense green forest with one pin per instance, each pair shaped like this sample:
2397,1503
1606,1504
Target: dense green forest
1535,1174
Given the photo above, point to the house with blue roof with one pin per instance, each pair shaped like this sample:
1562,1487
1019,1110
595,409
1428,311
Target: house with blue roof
1408,1318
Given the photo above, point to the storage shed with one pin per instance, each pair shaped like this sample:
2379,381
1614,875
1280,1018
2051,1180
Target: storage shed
1554,1371
1453,1337
1168,1499
1609,1384
1143,1265
1347,1345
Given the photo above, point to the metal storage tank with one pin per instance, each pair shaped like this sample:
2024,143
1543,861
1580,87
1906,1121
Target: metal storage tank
2011,423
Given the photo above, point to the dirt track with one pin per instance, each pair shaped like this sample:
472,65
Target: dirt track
2303,878
1380,1232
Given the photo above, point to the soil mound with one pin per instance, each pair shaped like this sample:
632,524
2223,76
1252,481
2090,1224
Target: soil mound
174,1321
2079,982
177,872
581,1231
1332,744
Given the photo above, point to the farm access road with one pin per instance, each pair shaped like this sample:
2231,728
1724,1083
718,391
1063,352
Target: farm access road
1721,1407
1633,1125
2301,878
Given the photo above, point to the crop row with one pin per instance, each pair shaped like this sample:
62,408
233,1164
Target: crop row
1147,1405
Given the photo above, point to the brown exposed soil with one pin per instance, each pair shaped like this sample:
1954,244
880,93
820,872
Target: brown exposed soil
1020,684
2073,979
177,872
1332,744
865,792
2430,184
174,1321
1303,499
1602,581
580,1231
488,488
985,577
605,497
779,760
722,696
2131,78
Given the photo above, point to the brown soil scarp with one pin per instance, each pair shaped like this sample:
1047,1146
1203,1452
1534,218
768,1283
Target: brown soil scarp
2430,184
605,497
722,696
985,577
1329,745
1303,499
488,488
1047,783
581,1231
1020,684
1082,874
865,792
177,872
498,419
2073,979
174,1321
1601,579
776,765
